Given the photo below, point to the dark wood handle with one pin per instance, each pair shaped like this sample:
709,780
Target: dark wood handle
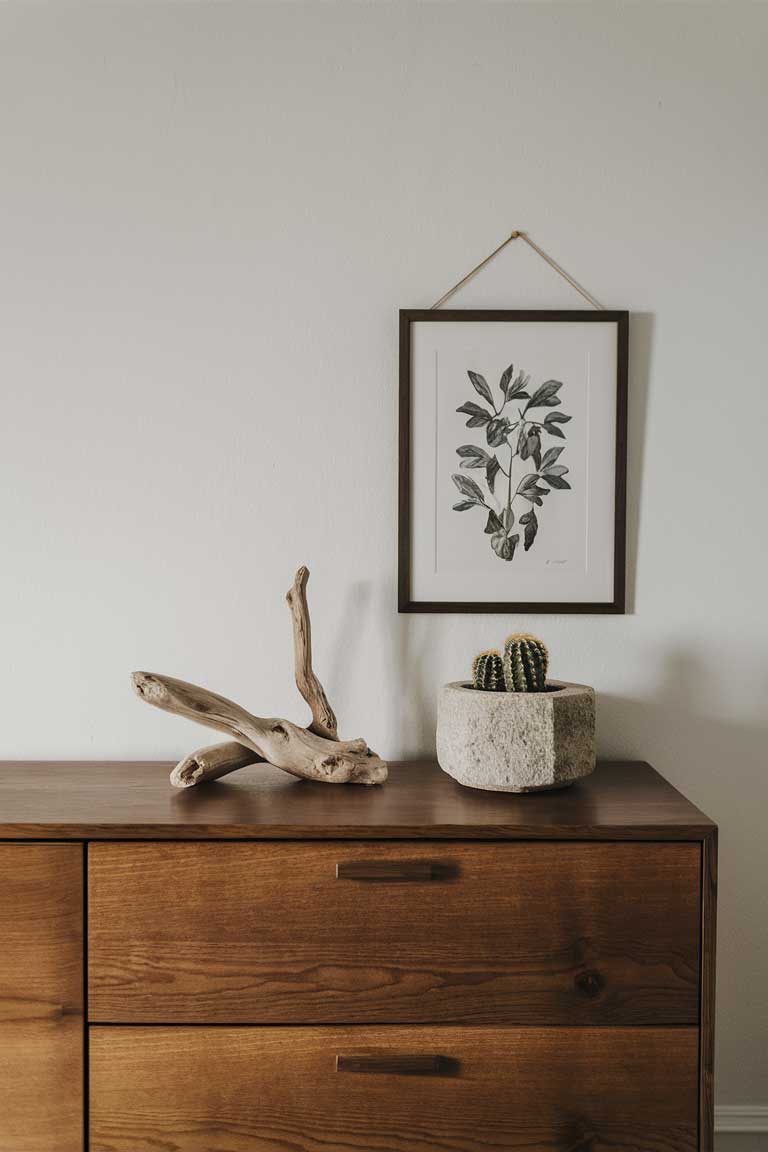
386,870
390,1064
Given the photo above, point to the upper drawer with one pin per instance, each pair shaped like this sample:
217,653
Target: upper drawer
520,932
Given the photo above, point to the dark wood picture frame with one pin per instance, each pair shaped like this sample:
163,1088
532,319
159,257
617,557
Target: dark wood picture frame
409,316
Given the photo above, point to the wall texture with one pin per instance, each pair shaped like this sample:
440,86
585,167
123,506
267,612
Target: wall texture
209,215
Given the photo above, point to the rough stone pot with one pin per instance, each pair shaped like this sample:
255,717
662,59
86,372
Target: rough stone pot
516,741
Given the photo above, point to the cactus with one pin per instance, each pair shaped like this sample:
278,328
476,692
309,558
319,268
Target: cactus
488,672
526,661
523,667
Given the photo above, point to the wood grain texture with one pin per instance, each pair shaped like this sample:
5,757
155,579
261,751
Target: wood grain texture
41,998
621,800
275,1089
707,1026
519,933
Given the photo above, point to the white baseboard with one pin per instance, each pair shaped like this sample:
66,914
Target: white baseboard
741,1118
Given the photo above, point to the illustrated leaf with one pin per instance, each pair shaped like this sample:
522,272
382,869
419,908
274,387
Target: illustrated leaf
534,494
463,505
531,528
508,518
556,481
549,458
551,420
477,415
516,391
529,443
498,541
512,388
545,395
480,385
493,524
503,545
473,456
471,450
491,472
555,470
528,481
467,486
496,432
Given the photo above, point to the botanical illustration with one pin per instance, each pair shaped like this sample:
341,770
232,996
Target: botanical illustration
514,469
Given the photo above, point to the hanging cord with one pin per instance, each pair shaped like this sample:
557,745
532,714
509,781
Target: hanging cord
548,259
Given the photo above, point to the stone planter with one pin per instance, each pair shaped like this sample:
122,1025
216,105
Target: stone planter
516,741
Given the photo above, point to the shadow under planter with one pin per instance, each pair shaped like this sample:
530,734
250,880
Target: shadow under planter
516,741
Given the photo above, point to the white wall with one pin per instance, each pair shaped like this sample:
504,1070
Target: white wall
209,216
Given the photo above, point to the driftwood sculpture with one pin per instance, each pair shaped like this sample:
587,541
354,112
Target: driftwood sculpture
314,752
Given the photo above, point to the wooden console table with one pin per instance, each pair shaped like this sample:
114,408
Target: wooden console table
264,964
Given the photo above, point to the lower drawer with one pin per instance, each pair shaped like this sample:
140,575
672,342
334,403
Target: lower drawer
393,1089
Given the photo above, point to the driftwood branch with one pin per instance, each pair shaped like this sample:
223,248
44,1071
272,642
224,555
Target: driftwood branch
313,753
295,750
212,763
324,721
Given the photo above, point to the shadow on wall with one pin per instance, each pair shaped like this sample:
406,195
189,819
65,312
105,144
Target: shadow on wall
640,347
682,725
348,658
416,646
416,639
721,764
407,713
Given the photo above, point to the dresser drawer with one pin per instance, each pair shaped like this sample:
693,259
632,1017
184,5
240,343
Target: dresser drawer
41,997
339,932
393,1089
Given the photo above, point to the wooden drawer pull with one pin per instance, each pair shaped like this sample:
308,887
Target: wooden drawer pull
390,1064
386,870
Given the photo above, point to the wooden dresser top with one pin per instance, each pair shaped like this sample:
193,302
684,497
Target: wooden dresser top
110,800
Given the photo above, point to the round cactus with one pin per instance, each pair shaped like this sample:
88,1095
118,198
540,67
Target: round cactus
526,661
488,672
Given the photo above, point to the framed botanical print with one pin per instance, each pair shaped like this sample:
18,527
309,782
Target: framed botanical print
512,461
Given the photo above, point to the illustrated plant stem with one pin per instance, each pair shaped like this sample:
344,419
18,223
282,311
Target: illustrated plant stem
527,432
509,479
